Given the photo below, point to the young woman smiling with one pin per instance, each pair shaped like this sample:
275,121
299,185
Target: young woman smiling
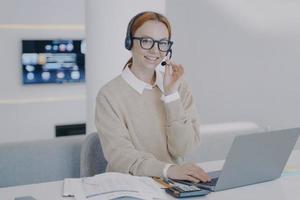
146,117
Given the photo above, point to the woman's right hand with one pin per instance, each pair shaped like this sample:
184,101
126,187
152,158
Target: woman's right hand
189,172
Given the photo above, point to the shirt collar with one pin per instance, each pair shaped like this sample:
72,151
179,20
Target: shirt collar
140,85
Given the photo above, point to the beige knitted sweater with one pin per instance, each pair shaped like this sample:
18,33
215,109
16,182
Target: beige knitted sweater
140,133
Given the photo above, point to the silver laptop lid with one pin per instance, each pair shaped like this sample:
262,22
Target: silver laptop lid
258,157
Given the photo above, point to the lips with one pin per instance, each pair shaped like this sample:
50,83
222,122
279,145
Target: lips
151,58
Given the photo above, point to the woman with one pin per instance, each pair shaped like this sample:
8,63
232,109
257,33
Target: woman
146,117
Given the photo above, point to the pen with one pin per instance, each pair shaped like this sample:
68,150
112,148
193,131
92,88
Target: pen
162,182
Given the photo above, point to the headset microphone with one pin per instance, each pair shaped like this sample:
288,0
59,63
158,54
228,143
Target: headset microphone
163,63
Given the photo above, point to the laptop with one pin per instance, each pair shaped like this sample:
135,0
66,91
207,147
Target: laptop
253,158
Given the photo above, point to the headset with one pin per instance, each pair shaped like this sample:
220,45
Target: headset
129,41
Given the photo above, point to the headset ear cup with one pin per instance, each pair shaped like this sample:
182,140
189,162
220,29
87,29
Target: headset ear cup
128,38
128,43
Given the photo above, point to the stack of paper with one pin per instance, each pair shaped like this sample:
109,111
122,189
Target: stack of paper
113,185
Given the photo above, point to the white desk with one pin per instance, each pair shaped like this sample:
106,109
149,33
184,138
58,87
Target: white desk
285,188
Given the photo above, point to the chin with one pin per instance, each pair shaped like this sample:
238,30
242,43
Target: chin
151,66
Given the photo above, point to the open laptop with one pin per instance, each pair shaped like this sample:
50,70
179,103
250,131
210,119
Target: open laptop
253,158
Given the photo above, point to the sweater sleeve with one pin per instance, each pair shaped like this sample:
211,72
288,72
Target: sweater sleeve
182,123
118,149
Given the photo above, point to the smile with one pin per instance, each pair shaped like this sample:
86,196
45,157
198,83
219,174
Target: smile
152,58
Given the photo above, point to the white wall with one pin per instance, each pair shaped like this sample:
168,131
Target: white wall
31,112
242,58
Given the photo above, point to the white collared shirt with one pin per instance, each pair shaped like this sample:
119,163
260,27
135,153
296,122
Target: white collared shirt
140,85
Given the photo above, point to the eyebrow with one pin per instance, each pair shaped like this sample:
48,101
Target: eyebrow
165,38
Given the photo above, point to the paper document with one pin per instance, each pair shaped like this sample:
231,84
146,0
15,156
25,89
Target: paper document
114,185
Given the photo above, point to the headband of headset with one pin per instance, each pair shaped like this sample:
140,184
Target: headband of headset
128,39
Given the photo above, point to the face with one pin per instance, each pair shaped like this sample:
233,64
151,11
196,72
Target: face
149,59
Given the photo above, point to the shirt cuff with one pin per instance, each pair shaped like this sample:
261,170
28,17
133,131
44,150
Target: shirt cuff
167,166
171,97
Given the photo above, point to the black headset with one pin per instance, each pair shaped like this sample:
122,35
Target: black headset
128,39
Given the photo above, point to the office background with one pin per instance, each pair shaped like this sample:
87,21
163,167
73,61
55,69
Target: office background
241,58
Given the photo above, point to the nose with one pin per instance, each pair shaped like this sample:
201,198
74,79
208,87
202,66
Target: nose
155,48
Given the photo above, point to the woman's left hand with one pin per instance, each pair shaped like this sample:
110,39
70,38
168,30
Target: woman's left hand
172,78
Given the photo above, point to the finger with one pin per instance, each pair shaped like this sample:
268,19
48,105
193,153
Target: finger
171,69
178,71
190,178
203,176
195,173
198,176
199,173
181,69
173,64
175,70
167,69
204,173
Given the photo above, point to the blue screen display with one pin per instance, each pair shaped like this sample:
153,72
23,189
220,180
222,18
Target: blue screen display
53,61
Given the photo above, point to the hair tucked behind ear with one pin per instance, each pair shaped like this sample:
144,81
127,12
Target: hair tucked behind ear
140,20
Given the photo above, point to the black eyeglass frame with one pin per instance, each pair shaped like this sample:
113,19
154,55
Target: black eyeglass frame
154,41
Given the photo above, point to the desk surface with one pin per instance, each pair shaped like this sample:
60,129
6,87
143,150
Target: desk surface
286,187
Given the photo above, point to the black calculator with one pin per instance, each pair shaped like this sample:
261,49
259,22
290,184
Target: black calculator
179,190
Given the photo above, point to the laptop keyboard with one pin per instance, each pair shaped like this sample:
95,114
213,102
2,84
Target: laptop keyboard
213,182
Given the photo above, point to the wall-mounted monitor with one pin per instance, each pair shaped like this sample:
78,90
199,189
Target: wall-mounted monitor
53,61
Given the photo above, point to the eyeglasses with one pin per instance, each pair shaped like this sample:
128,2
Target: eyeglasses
148,43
